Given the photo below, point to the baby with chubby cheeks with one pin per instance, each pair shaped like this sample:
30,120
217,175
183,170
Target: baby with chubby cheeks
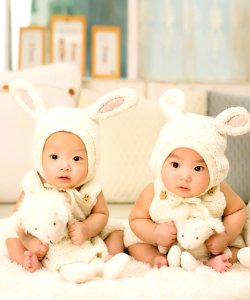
65,158
190,167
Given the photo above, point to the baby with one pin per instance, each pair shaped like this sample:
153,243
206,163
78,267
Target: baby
66,157
190,166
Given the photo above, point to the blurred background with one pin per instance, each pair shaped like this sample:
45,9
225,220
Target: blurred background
168,40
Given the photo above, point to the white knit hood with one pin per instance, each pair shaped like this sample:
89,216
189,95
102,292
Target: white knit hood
203,134
82,122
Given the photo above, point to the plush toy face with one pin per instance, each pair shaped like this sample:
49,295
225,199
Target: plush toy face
49,228
194,232
191,238
45,214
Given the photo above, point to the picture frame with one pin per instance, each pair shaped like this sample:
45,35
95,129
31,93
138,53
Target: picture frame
32,46
105,51
68,39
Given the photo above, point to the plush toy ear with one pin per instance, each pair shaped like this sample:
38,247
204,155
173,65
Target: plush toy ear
113,103
28,97
233,121
172,102
216,225
63,213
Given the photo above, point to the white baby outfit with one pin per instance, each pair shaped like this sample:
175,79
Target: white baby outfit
81,204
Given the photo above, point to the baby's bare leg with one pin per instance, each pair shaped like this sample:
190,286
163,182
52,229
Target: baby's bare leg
35,246
19,254
31,262
15,250
148,254
220,263
114,242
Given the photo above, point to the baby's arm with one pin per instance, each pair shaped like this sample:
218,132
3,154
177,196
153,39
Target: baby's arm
234,218
79,232
163,234
30,242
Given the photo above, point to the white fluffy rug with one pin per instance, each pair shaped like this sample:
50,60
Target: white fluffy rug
139,282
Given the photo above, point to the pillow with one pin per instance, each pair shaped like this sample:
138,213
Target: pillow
59,85
238,147
127,141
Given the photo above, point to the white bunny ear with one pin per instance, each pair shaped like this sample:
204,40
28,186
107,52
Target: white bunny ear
25,93
113,103
172,102
233,121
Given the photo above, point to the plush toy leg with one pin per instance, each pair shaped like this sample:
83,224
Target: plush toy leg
78,272
114,268
188,262
244,256
98,264
162,249
174,256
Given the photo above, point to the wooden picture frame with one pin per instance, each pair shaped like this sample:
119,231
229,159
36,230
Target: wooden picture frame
106,51
32,51
68,39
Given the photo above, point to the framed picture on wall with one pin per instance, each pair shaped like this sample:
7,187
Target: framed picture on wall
106,51
68,39
31,46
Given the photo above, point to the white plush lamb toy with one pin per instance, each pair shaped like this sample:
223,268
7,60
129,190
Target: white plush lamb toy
191,251
45,215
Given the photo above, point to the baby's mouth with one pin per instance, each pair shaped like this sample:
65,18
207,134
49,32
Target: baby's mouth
64,178
184,188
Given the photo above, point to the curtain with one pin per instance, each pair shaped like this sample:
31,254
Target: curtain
194,40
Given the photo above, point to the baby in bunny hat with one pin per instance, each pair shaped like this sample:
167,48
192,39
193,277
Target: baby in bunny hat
65,159
189,164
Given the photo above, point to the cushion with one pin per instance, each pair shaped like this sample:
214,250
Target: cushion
127,140
58,84
238,147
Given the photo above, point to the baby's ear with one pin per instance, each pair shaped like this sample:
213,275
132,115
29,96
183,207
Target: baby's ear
172,102
28,97
233,121
113,103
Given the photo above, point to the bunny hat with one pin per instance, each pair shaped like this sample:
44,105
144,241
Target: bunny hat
205,135
83,122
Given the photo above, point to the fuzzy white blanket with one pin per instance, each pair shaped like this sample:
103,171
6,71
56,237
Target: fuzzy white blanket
138,282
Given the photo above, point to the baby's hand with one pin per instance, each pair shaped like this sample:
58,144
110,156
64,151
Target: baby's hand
217,243
165,234
77,232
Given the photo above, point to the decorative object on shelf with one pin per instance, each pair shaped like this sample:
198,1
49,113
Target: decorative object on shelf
31,46
106,51
68,39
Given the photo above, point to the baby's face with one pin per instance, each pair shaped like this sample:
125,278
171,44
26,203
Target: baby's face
64,160
185,173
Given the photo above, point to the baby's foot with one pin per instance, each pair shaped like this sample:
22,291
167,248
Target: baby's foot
37,247
220,263
159,261
31,262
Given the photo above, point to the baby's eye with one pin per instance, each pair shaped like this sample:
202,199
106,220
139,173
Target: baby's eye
77,158
53,156
199,168
175,164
